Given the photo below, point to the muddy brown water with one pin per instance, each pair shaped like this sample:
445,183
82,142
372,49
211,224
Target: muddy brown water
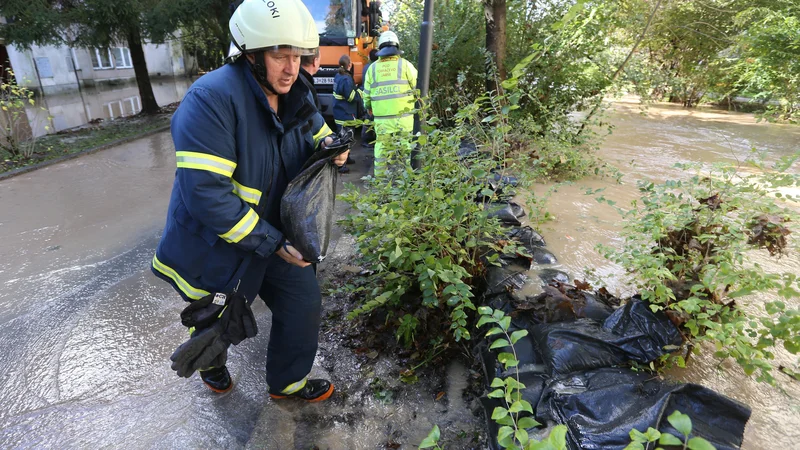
645,144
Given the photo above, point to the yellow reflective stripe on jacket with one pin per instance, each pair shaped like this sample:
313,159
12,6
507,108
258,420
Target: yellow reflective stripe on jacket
294,387
337,96
247,194
190,291
352,95
204,161
242,228
323,132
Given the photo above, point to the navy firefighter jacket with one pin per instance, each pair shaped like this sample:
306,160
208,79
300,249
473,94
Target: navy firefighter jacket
345,94
235,157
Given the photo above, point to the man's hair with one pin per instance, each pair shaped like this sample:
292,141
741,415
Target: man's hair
308,60
373,55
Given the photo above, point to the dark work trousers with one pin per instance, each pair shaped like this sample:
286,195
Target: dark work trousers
292,294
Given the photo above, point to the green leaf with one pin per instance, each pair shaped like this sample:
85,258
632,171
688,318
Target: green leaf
493,331
497,393
432,439
499,412
637,436
484,310
652,434
498,383
517,335
500,343
634,446
681,422
519,406
527,422
483,321
522,436
558,437
698,443
668,439
504,433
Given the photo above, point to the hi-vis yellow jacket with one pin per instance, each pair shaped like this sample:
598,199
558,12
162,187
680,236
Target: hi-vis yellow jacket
389,88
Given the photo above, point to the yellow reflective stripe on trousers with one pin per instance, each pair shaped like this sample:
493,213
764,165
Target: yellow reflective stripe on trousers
204,161
322,134
242,228
294,387
247,194
190,291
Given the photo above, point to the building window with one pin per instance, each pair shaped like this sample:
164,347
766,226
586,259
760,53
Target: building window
44,68
101,58
122,57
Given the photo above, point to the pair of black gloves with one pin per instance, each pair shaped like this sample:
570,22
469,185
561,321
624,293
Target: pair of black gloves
219,320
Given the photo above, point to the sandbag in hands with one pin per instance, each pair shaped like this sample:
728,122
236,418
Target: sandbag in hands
307,205
219,320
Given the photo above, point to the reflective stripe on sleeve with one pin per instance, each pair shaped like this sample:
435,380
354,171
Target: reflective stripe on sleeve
323,132
242,228
352,95
337,96
204,161
189,290
247,194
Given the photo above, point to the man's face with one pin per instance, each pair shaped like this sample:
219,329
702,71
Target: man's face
282,69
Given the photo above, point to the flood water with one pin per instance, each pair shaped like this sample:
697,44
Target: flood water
645,144
76,108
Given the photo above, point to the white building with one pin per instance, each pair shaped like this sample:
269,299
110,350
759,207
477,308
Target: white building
57,69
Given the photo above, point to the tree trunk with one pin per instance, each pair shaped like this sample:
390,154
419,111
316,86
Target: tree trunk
495,14
149,104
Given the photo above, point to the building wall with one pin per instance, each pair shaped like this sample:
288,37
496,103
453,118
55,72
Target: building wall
56,72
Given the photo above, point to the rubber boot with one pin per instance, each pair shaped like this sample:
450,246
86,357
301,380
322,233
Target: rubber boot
217,379
314,391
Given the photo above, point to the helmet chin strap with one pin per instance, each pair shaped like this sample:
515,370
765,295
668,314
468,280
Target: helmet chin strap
260,71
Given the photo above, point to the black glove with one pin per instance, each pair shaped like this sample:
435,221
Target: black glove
204,349
237,320
204,312
232,311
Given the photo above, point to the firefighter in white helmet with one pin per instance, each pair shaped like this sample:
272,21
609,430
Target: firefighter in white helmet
241,134
389,94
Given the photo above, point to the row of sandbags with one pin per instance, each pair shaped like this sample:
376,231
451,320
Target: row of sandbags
575,360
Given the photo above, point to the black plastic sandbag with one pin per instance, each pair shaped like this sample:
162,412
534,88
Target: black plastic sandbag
508,213
632,333
307,205
601,406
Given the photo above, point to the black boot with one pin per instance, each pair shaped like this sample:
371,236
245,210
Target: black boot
217,379
344,169
314,391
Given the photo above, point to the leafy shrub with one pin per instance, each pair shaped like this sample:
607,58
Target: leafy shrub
688,247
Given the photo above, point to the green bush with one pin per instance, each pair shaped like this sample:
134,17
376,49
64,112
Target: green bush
688,247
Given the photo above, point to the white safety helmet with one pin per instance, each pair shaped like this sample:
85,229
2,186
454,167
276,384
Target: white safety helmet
388,38
261,25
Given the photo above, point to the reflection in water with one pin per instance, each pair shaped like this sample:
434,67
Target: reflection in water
647,146
77,108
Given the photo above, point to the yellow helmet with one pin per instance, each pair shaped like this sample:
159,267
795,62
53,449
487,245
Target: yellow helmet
259,25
